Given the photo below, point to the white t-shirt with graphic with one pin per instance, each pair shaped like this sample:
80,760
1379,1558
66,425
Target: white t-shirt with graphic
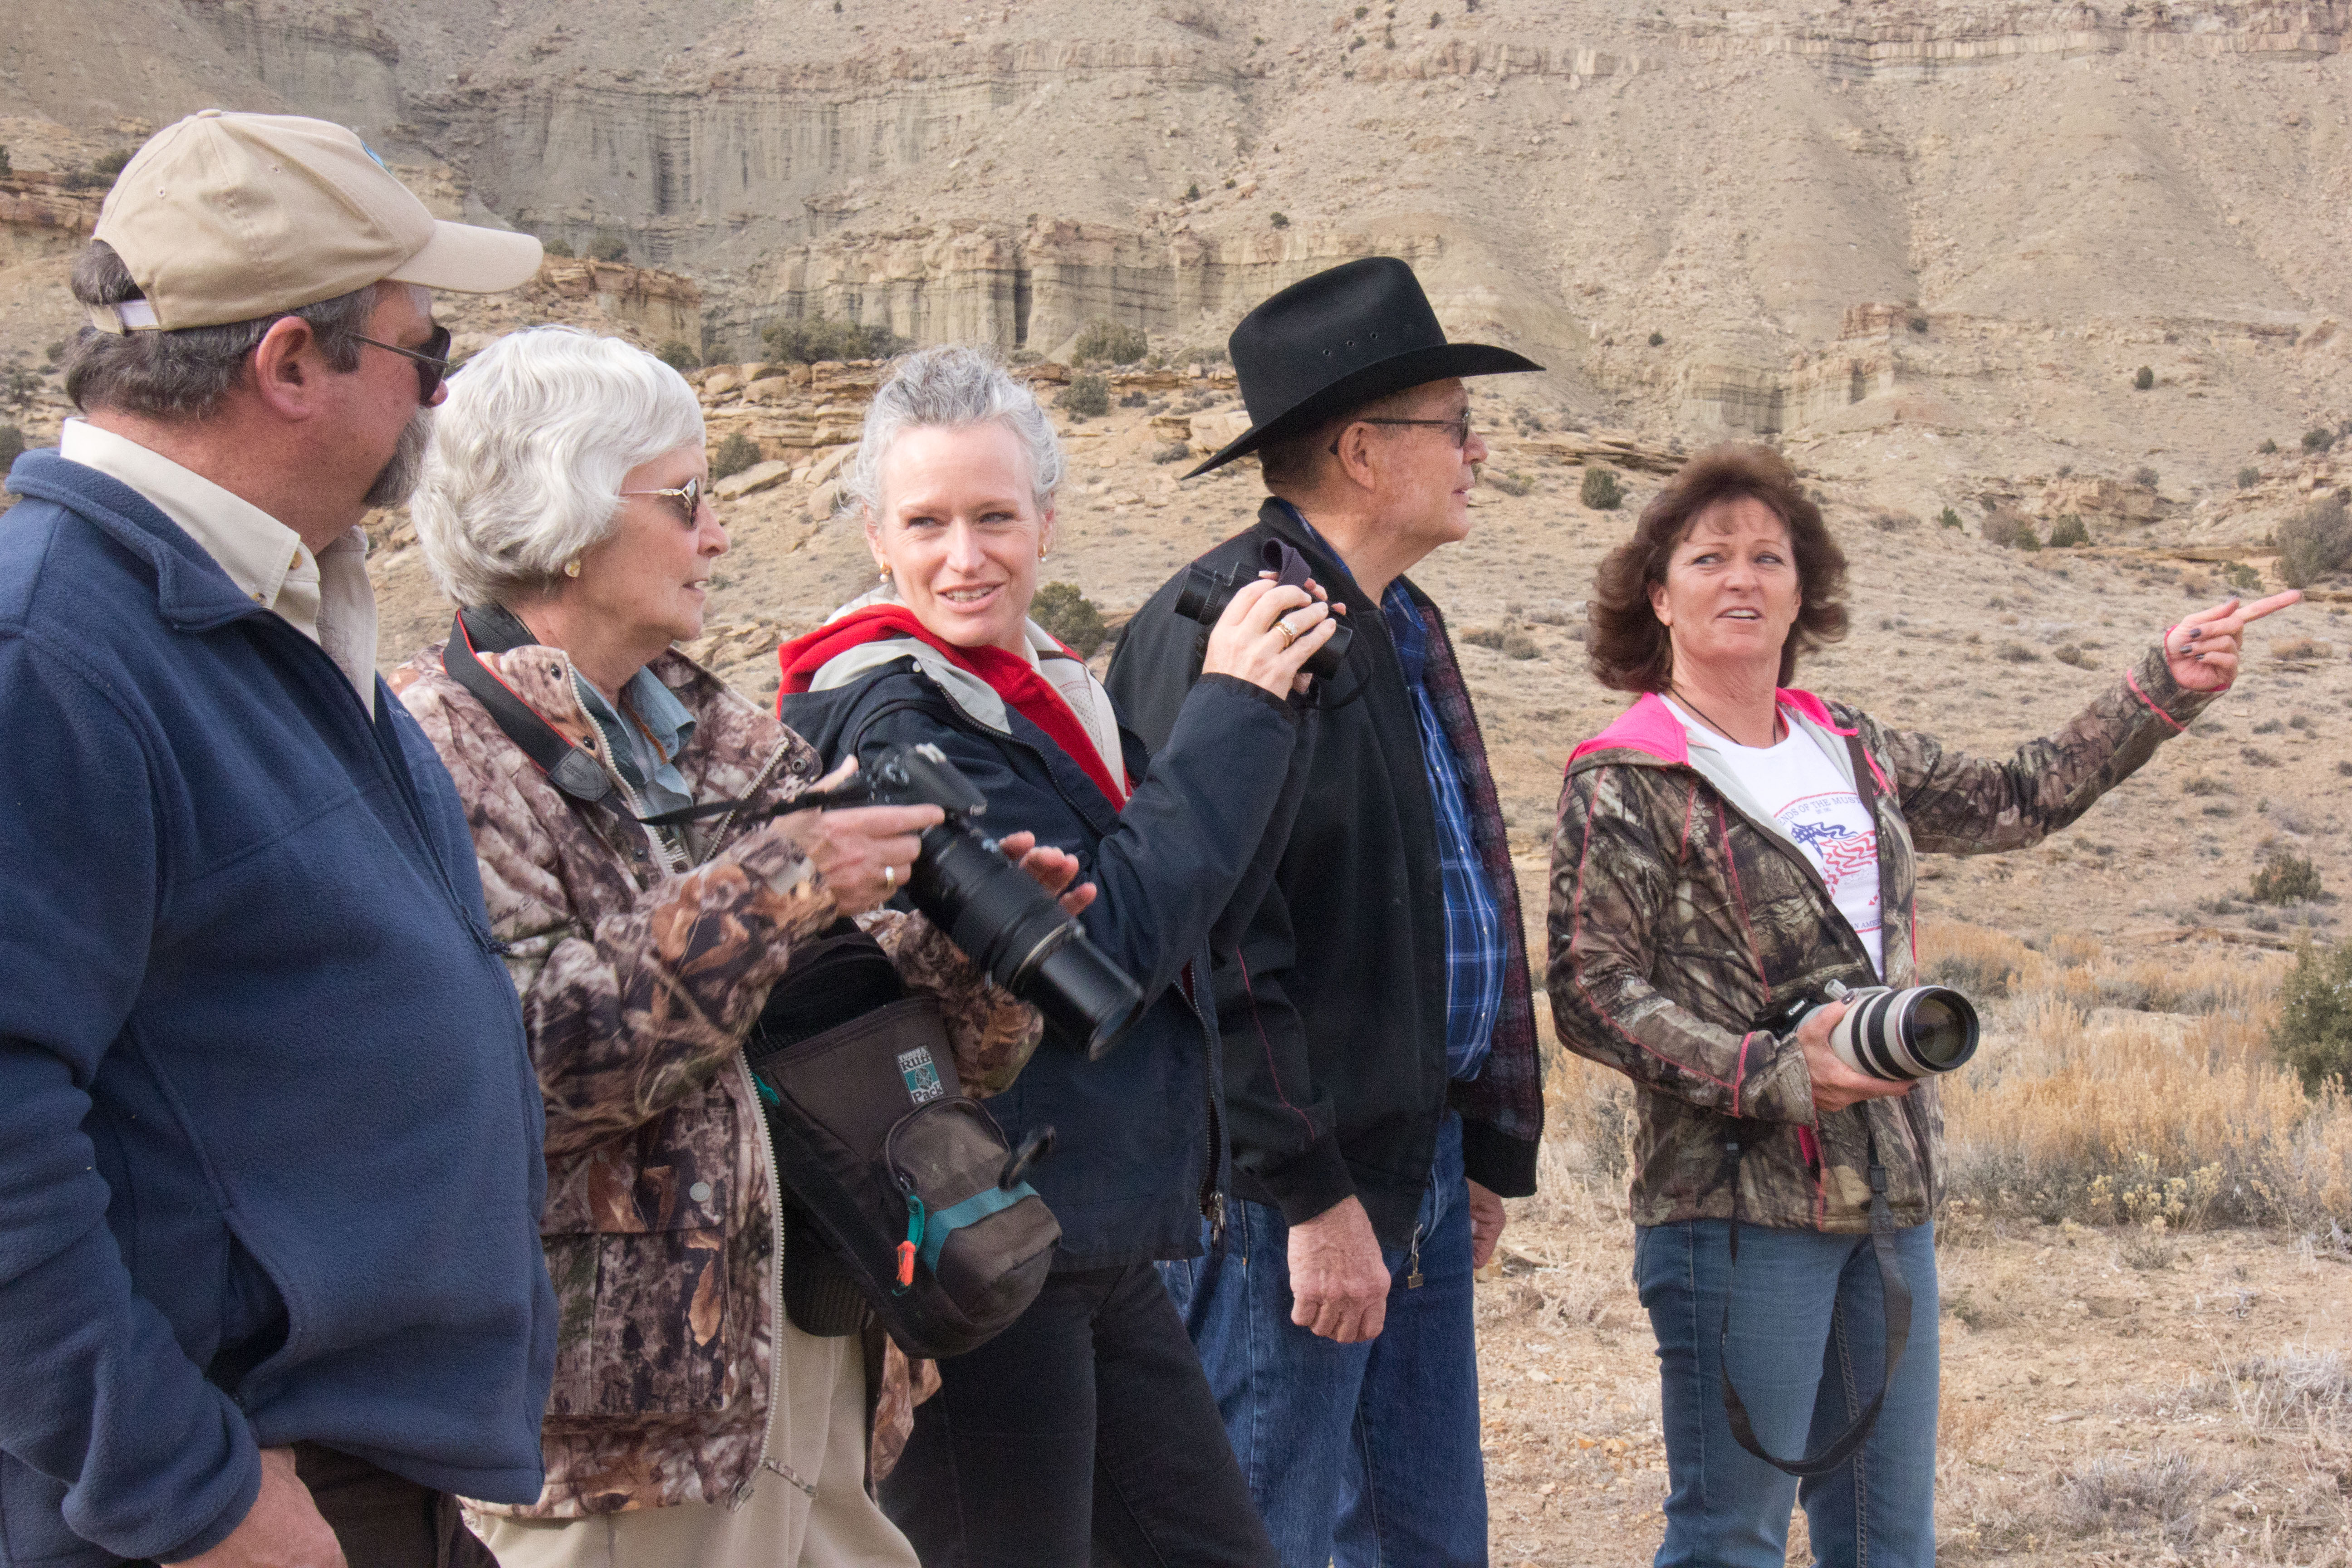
1811,800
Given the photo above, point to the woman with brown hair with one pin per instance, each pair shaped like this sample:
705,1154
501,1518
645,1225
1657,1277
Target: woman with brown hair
1730,845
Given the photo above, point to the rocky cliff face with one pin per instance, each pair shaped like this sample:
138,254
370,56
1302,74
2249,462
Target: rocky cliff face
1810,220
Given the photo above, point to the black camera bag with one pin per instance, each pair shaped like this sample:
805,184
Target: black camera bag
907,1187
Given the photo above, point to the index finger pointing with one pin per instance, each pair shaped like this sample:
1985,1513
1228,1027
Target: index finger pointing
2275,603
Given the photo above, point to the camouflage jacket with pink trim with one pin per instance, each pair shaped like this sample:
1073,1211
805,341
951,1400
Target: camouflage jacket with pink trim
1677,920
639,986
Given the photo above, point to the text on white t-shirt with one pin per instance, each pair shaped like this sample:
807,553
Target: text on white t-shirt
1814,806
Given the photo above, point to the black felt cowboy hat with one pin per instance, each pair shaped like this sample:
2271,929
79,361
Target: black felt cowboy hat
1337,340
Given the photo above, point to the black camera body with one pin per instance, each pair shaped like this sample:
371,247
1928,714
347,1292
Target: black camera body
1888,1034
1206,593
992,908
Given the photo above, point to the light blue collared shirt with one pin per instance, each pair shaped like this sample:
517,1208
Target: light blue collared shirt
647,746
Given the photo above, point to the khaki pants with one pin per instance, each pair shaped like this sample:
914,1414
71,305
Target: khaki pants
820,1436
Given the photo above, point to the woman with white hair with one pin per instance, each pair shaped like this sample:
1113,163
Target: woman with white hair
1088,1421
692,1424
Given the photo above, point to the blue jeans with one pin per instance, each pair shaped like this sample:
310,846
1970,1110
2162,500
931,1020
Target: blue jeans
1807,1353
1365,1454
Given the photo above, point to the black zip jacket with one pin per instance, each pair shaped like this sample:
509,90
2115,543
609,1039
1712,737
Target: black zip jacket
1139,1157
1331,990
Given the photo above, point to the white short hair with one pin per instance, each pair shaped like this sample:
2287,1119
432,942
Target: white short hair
951,387
529,453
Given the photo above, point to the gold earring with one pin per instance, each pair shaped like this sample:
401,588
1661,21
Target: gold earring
572,567
883,575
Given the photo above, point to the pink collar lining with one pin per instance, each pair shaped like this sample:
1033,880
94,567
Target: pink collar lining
1649,726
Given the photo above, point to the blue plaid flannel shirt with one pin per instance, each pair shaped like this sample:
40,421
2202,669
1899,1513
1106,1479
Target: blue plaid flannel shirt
1475,952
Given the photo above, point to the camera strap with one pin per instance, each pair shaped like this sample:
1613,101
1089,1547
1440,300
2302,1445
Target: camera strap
492,628
1893,1287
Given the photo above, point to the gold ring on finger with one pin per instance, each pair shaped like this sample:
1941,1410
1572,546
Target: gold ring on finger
890,876
1288,636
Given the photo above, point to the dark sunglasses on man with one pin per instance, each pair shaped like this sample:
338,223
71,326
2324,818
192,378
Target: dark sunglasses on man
432,359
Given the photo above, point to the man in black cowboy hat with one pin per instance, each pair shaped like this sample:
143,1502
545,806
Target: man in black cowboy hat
1383,1089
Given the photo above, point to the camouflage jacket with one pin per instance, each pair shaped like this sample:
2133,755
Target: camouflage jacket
641,967
1678,919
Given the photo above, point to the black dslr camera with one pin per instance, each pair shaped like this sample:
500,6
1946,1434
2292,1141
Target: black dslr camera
990,908
1206,594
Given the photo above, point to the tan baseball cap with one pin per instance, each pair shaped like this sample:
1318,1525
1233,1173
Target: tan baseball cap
230,217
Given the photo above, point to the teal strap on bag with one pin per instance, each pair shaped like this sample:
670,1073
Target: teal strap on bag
945,1222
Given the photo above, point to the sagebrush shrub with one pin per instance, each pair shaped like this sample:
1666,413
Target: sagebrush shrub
1511,642
12,445
1069,614
2286,877
678,354
1088,395
2314,1035
735,454
2144,378
2010,531
807,340
1600,492
1106,342
609,245
19,389
2313,541
2068,532
2318,439
1948,517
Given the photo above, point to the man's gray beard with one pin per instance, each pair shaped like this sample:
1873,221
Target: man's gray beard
393,486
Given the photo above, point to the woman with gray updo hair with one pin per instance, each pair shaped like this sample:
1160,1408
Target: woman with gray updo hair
952,386
694,1422
1088,1420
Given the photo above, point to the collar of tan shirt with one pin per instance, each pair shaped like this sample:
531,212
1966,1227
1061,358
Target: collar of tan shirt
326,598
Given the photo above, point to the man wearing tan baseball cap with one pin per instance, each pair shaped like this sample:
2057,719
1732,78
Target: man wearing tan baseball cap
270,1166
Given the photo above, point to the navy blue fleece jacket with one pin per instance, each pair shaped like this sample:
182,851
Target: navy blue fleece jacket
269,1137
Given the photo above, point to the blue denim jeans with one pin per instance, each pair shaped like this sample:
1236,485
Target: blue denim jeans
1807,1353
1366,1455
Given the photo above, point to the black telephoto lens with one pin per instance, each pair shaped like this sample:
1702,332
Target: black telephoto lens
1023,937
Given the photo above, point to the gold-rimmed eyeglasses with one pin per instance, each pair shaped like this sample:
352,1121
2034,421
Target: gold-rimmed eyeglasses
689,497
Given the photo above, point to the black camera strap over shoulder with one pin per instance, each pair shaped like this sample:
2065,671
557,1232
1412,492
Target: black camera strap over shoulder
1893,1287
492,628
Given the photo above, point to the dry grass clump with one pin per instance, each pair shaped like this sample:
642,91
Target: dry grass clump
2121,1495
2115,1091
2299,1391
1511,642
